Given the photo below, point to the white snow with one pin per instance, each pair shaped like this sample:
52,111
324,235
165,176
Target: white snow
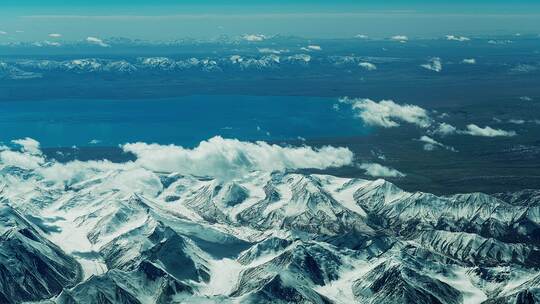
343,192
462,282
73,240
340,290
224,276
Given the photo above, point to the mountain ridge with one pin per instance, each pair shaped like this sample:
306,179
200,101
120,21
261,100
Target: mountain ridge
280,237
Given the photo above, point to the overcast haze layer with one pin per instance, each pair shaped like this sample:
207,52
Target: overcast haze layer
30,20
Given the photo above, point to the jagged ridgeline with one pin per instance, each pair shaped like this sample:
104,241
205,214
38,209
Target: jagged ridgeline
123,234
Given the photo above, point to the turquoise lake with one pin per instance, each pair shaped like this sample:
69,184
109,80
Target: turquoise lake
183,121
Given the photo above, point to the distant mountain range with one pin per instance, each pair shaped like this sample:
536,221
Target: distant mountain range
38,68
355,56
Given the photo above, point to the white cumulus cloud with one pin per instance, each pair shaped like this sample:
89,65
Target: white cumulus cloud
228,158
217,157
387,113
469,61
400,38
28,145
487,131
457,38
445,129
378,170
21,160
433,64
254,37
368,66
96,41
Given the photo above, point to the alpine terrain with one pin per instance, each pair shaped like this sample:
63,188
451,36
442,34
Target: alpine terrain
102,232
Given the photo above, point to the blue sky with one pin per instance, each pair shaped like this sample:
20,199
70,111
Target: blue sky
22,20
500,6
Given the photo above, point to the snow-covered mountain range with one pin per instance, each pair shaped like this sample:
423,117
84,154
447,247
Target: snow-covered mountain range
26,68
36,68
100,232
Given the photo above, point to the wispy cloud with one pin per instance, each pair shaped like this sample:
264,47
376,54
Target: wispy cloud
431,144
272,51
524,68
500,42
310,48
48,43
517,121
314,15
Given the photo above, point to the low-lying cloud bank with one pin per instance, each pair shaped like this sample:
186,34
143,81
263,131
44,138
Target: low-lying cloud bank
387,113
217,157
226,158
